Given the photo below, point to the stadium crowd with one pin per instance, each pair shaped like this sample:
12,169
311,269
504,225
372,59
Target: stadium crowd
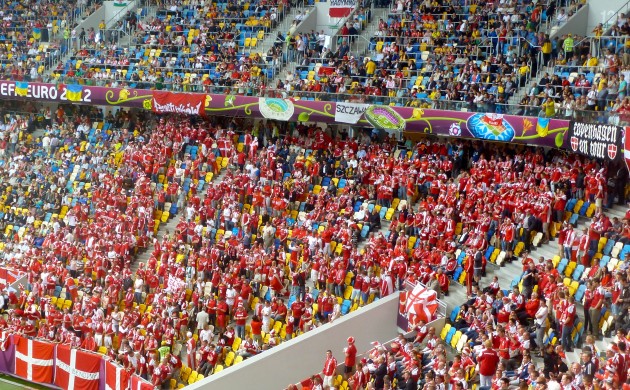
271,250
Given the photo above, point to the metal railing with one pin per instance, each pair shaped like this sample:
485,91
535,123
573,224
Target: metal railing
623,9
581,69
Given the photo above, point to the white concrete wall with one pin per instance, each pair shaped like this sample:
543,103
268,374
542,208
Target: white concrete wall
325,22
576,25
298,359
109,13
601,10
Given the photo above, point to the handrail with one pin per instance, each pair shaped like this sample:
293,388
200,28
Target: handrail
578,68
616,14
132,5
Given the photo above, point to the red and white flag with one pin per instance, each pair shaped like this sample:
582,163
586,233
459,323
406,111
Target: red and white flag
34,359
137,383
421,304
116,377
341,8
77,369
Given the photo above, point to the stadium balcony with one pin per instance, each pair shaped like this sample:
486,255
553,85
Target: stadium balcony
154,68
31,36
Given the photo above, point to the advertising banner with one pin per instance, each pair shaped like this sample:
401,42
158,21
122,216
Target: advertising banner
486,126
595,140
179,103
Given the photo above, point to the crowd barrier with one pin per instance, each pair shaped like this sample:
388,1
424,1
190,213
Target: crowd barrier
484,126
62,366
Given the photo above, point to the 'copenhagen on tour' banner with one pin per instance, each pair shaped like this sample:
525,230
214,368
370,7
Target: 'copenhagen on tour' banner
595,140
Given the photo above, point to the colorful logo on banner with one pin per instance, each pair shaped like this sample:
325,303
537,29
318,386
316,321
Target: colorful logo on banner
349,112
341,8
278,109
492,127
384,118
595,140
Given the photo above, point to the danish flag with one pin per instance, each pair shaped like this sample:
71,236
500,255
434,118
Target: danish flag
77,369
116,377
137,383
626,145
33,359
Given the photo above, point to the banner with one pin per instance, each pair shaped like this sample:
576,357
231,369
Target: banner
326,70
349,112
34,359
175,284
120,3
137,383
77,369
181,103
341,8
116,377
413,120
595,140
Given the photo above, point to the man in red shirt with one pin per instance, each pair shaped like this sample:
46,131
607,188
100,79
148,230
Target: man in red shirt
351,357
595,307
488,361
240,317
567,321
297,309
330,367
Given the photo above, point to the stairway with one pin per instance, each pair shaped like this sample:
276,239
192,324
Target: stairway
358,48
507,273
171,224
282,27
361,46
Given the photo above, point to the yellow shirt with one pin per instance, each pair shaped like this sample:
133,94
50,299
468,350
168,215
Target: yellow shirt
370,67
550,108
592,61
523,70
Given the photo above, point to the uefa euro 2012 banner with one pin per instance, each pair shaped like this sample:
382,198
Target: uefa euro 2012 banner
486,126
